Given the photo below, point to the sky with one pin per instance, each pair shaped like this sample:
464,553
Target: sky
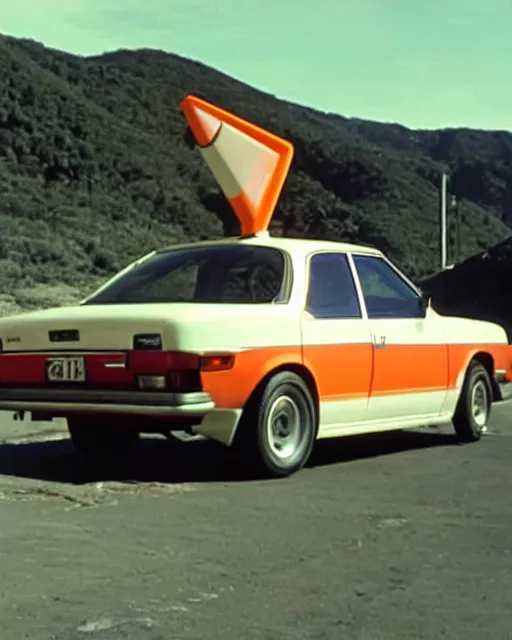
421,63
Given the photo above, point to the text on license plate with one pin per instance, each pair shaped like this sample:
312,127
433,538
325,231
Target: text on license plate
65,369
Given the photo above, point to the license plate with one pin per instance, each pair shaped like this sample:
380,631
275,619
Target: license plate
65,369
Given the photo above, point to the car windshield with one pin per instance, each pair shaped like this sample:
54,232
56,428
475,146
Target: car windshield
231,274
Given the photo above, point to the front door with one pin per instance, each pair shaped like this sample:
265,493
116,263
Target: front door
336,341
410,373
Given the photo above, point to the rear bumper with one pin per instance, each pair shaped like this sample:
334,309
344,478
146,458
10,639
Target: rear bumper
504,384
505,391
64,401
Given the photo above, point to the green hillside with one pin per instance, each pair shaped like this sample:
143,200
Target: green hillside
95,170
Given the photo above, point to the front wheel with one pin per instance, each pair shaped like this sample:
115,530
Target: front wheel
279,427
99,438
474,406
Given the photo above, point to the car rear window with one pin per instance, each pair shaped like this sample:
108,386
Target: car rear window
230,274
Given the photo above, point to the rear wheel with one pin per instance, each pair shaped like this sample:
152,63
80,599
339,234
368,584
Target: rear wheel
279,426
100,438
474,407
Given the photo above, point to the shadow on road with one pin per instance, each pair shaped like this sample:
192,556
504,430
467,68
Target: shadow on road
352,448
157,460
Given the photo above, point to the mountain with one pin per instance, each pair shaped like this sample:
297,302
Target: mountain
95,169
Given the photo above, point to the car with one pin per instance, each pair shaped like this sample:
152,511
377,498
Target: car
262,343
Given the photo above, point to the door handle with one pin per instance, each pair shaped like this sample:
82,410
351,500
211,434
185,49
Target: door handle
379,342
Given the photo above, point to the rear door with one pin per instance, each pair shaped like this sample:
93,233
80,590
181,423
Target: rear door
336,341
410,373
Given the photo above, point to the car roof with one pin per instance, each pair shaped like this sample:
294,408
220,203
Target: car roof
303,246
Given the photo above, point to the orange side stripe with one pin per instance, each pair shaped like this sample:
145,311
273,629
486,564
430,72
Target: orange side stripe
410,368
231,389
460,355
344,372
341,371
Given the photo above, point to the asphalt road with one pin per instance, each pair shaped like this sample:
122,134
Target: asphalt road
401,536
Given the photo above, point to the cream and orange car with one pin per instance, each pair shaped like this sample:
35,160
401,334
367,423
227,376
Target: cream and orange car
262,343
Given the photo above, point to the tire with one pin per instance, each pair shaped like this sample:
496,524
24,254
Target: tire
99,439
474,406
279,426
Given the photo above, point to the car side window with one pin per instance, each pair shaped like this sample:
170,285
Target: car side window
386,294
332,292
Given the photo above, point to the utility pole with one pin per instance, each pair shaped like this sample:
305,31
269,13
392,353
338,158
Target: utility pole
444,179
455,206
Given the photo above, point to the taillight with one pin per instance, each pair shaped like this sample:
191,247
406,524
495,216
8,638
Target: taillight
217,362
177,371
183,381
156,383
180,381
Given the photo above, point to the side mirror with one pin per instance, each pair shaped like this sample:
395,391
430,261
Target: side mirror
425,301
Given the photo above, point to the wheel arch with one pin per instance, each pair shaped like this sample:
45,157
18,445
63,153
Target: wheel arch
487,361
294,367
467,420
